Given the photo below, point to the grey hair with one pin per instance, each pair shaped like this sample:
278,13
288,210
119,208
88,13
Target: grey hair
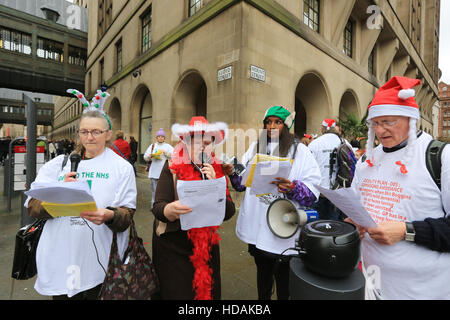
412,137
370,141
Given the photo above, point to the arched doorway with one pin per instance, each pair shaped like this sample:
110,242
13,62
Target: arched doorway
141,119
190,97
115,114
348,105
311,104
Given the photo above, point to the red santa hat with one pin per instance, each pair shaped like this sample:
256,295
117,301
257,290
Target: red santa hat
329,123
200,125
395,98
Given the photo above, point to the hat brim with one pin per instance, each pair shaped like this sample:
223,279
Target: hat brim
393,110
219,130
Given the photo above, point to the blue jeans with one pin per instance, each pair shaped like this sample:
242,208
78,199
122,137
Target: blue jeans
327,210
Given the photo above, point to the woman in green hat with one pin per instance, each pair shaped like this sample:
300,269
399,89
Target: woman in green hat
252,228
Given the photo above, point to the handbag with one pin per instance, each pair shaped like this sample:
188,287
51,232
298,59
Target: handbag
27,239
134,277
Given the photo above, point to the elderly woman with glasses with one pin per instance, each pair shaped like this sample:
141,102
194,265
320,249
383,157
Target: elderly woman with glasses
188,261
73,252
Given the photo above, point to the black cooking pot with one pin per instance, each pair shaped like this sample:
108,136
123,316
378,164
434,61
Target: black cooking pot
330,248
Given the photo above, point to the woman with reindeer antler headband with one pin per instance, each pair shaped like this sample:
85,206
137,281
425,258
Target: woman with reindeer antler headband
67,243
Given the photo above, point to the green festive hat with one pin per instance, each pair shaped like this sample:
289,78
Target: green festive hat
282,113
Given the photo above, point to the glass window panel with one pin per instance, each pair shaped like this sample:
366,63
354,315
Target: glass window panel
311,14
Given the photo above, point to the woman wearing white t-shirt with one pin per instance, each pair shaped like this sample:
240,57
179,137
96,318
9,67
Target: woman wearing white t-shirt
251,226
73,252
157,153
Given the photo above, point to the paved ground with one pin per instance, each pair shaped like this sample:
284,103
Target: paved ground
238,268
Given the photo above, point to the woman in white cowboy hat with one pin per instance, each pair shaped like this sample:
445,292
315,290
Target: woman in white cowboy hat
188,262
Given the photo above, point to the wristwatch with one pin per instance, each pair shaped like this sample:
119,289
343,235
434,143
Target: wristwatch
410,232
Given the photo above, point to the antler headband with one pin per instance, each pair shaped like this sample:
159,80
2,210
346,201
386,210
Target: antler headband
96,104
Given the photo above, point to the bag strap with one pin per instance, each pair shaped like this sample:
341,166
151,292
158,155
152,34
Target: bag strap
334,155
433,160
66,157
132,236
123,156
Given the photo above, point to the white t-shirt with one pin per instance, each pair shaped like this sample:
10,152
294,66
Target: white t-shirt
66,256
405,270
321,149
251,224
156,167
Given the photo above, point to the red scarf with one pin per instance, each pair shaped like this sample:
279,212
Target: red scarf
202,238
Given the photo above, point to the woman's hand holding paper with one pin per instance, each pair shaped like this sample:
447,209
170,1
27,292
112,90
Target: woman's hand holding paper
284,185
173,210
98,217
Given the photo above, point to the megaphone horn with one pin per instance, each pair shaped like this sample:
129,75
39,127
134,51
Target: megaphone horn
284,218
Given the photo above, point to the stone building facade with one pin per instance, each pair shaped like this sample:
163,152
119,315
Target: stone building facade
165,61
444,114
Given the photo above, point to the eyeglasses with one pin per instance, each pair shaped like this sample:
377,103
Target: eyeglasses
384,123
95,133
200,140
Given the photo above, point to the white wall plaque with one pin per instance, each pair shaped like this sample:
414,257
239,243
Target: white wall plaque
257,73
224,74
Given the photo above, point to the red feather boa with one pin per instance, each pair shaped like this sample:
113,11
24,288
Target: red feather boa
202,238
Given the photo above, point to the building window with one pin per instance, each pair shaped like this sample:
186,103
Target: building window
348,39
77,56
147,30
49,49
104,17
311,14
89,84
194,6
102,71
119,56
372,62
15,41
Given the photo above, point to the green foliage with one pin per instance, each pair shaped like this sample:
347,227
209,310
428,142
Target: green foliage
353,127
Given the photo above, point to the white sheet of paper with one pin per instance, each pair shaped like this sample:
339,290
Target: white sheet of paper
65,193
207,198
349,202
266,172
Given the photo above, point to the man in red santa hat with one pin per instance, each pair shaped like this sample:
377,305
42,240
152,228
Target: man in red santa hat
407,256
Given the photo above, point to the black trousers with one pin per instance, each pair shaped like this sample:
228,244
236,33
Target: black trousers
268,267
